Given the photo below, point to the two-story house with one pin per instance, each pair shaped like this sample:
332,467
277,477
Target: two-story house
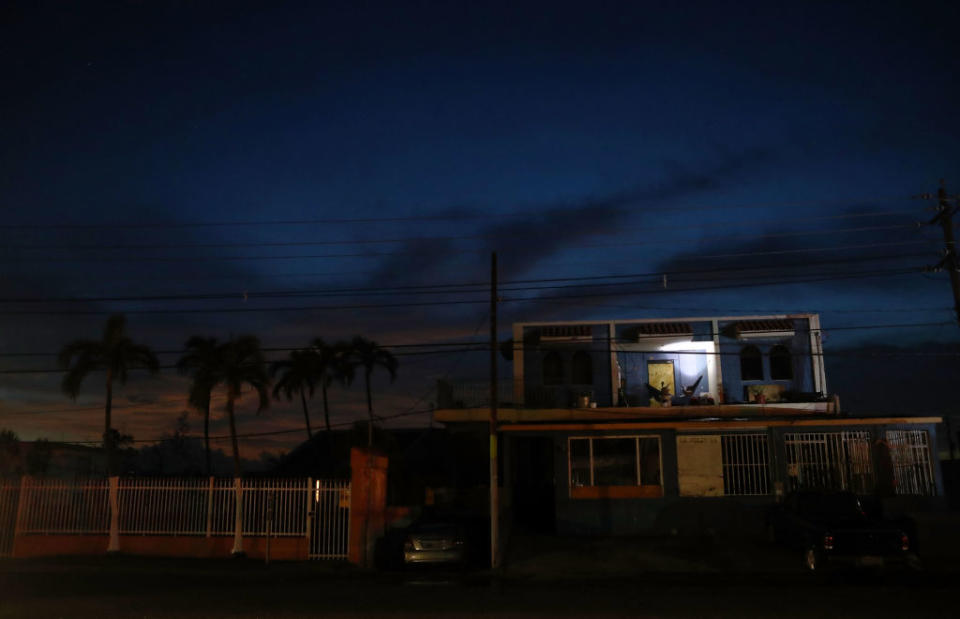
627,426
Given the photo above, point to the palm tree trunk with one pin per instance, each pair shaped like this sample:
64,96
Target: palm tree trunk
369,412
206,435
326,408
306,414
233,435
107,436
237,481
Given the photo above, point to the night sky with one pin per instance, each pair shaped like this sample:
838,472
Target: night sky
723,145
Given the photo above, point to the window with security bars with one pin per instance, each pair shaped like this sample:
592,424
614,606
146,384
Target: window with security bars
746,464
829,461
910,456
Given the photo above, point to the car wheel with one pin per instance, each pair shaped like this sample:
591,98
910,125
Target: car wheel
811,559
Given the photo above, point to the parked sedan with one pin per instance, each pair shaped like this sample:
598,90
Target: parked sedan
435,543
832,529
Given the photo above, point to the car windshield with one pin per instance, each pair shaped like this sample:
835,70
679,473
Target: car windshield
436,529
830,507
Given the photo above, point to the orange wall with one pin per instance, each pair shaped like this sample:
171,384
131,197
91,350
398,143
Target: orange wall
281,548
368,503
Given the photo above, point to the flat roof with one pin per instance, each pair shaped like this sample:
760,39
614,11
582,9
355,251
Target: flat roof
666,319
719,424
633,413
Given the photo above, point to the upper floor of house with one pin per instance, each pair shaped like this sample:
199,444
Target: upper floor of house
769,361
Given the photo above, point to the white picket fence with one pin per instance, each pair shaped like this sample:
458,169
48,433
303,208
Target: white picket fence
288,507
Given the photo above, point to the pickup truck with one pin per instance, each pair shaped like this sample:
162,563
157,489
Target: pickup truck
831,529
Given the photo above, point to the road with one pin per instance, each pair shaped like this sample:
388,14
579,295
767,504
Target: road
135,587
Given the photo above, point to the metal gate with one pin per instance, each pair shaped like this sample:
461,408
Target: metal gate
829,460
328,524
9,502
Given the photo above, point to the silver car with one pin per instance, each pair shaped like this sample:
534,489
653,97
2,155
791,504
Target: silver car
434,543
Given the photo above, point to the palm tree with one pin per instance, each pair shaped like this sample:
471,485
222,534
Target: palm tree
369,355
242,363
201,360
298,375
333,366
116,354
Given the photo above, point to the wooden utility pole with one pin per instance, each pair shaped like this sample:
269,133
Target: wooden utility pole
494,395
944,217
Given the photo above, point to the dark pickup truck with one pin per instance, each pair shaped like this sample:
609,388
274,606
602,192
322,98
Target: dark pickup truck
832,529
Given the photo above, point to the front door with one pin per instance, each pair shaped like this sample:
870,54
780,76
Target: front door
534,505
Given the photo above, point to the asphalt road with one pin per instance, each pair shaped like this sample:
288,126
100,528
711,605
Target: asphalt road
133,587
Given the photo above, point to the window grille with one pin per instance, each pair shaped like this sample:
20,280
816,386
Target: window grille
746,464
910,455
829,461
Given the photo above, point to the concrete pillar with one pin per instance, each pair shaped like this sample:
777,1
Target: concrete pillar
114,545
368,503
238,517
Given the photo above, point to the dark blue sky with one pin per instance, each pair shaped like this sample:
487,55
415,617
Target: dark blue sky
576,139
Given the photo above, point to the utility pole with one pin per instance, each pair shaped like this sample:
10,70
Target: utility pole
944,217
494,395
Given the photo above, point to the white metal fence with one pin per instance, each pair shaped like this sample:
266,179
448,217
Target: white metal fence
746,464
910,456
829,460
330,513
71,507
9,500
292,507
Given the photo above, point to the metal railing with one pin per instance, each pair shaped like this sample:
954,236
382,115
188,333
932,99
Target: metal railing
58,506
830,461
289,507
330,529
910,456
9,501
455,394
746,464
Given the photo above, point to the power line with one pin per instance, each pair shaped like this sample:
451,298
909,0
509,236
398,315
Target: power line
497,237
422,217
458,347
224,437
464,287
375,254
229,310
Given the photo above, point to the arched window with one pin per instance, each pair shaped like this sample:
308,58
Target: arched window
781,365
582,368
552,369
751,363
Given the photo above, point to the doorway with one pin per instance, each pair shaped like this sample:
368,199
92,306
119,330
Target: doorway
534,503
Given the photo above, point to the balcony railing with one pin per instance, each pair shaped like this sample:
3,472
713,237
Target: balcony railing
452,394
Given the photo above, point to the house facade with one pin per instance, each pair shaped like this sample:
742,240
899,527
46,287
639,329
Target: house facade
631,426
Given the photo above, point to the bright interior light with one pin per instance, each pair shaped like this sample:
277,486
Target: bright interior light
687,345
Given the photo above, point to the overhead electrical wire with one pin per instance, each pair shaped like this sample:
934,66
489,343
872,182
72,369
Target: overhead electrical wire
458,347
621,292
492,236
505,250
426,217
444,288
